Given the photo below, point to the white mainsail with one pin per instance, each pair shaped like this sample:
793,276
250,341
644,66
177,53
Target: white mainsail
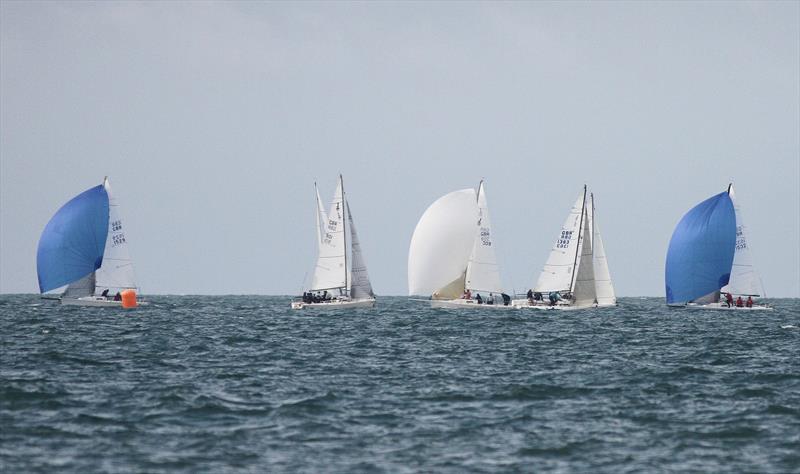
331,270
559,270
583,292
441,246
483,273
321,218
360,286
744,279
116,273
604,289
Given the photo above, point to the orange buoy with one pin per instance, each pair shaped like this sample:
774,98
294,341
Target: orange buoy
128,298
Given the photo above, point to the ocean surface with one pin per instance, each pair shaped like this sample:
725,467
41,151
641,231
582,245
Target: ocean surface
202,384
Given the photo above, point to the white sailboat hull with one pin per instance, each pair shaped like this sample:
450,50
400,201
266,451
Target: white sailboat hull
96,301
724,307
559,306
336,304
463,303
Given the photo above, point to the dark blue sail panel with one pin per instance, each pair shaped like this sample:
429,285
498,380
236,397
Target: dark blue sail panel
700,254
73,242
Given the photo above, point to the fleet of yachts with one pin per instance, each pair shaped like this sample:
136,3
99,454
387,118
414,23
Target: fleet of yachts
83,258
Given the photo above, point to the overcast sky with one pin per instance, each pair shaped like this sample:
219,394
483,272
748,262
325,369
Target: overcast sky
213,120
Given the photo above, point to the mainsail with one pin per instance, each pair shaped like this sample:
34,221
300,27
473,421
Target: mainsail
583,292
331,269
483,273
744,279
441,246
116,273
559,270
701,250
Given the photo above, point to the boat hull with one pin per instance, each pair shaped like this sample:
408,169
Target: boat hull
96,301
724,307
462,303
336,304
560,306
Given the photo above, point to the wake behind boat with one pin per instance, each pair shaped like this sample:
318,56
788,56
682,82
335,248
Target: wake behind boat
576,274
333,285
84,251
452,256
709,257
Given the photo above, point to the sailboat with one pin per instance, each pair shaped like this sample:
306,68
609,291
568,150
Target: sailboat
709,256
452,258
84,251
334,285
576,274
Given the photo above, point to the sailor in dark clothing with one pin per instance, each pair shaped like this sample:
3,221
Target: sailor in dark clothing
478,298
537,296
104,294
118,297
553,297
506,299
490,299
530,296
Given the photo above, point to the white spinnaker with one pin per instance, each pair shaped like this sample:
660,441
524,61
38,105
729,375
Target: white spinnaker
557,273
442,243
331,271
583,291
744,278
360,286
602,277
116,273
483,273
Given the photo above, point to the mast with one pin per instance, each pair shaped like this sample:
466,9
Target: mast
730,185
344,235
578,247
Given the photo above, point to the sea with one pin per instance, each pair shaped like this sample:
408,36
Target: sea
219,384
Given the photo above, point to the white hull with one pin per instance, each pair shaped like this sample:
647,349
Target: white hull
96,301
462,303
559,306
724,307
336,304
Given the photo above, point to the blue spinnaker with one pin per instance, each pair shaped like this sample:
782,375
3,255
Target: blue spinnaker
700,254
73,242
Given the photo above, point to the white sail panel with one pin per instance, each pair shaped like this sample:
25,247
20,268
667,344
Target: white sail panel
483,273
583,292
360,286
744,278
331,271
81,288
321,218
442,243
557,274
602,277
116,273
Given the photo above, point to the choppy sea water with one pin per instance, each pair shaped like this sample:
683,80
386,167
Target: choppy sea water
243,384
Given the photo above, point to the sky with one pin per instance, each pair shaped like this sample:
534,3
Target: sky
213,121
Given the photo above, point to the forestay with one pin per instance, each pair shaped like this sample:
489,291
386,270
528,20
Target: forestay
483,273
441,245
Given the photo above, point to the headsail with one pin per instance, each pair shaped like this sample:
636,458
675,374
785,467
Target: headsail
116,273
559,270
583,291
72,244
81,288
604,289
701,250
744,278
331,269
360,286
483,273
441,245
